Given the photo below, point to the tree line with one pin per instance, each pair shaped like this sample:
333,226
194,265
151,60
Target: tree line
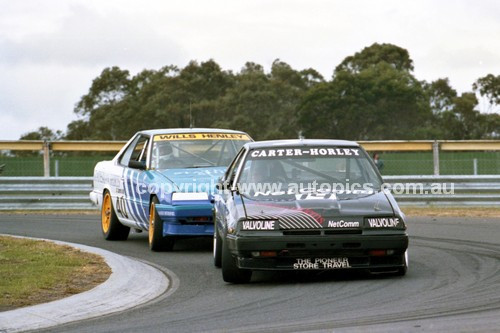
372,95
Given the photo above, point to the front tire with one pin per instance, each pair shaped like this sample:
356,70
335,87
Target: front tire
111,227
156,240
217,248
230,272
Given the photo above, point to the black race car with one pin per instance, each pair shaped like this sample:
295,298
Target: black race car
306,205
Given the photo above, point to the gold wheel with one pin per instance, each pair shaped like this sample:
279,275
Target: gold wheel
151,222
106,213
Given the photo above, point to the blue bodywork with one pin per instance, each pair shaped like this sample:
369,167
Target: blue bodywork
180,217
176,169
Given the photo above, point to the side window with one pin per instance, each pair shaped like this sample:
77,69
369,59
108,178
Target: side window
231,171
136,151
142,150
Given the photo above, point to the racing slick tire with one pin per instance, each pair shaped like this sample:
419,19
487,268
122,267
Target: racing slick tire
230,272
217,248
156,240
111,227
402,271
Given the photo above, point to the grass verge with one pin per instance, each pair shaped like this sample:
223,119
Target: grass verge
52,212
452,211
34,271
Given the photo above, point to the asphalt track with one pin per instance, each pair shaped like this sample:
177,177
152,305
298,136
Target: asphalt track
453,284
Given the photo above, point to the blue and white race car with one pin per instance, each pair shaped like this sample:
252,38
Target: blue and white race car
162,182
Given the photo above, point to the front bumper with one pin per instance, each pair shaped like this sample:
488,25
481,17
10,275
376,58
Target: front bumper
319,252
94,197
184,220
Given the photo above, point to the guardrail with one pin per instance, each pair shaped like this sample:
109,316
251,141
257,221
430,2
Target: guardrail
467,190
72,193
395,145
45,193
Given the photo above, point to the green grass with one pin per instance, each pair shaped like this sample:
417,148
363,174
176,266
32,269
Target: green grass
24,166
450,163
33,271
395,163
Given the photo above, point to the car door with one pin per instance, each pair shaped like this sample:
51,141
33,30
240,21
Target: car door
134,162
224,200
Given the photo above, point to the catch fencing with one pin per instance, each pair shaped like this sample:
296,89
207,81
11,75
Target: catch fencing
72,193
78,158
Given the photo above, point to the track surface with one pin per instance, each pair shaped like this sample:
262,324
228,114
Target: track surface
453,284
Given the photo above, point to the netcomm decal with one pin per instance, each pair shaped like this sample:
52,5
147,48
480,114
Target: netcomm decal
343,224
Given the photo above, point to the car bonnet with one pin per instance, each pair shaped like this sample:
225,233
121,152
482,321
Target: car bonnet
194,179
372,204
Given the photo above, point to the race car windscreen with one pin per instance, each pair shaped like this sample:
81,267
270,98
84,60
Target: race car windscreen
195,150
317,169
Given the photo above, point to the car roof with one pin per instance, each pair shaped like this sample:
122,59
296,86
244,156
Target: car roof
300,142
188,130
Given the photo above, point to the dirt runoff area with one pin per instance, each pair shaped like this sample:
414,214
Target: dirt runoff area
493,212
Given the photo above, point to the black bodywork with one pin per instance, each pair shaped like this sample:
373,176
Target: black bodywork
364,230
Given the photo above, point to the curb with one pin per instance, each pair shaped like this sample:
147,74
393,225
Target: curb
119,292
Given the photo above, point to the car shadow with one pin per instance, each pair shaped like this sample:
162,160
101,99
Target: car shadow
293,277
182,244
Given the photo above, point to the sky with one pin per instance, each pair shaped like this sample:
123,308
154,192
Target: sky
51,50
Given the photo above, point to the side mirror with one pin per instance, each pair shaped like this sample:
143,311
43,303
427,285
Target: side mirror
137,165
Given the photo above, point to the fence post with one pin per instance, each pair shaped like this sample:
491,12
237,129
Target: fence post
435,157
474,166
46,158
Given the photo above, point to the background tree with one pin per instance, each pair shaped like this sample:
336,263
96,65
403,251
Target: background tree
372,95
99,106
489,86
393,55
43,133
264,105
440,95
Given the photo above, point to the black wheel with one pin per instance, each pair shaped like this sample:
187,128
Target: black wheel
231,272
402,270
111,227
156,240
217,248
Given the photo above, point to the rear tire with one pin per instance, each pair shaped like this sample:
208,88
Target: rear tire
230,272
111,227
156,240
402,270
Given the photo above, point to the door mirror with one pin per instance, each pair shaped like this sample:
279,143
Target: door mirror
137,165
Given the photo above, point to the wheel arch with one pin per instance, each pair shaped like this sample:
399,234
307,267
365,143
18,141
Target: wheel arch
151,196
107,190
